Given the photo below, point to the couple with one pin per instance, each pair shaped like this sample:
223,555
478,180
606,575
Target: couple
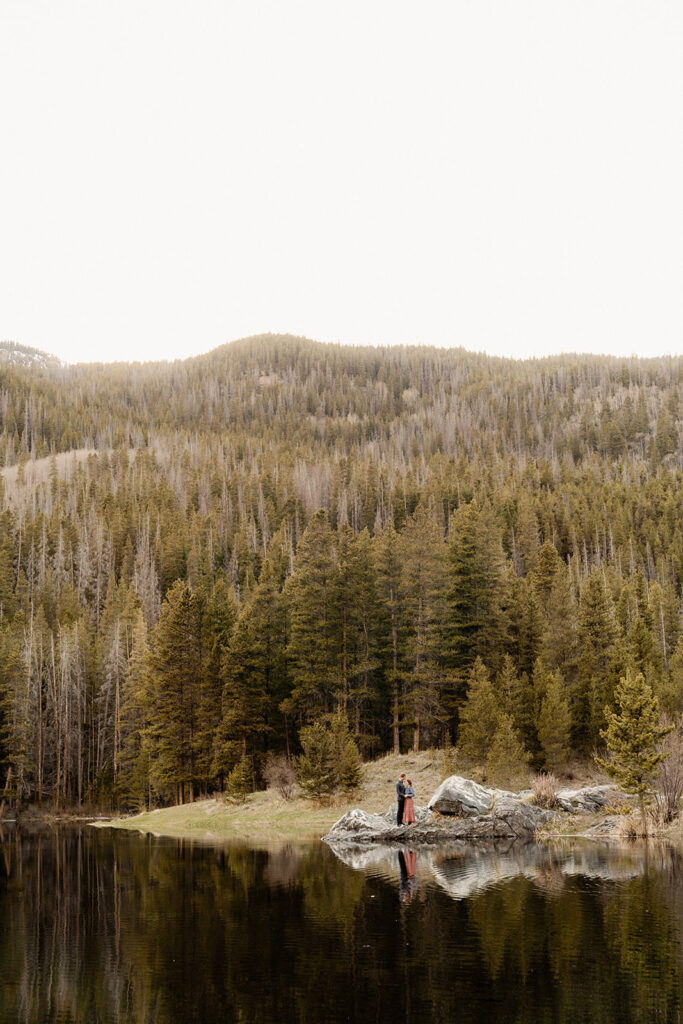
405,794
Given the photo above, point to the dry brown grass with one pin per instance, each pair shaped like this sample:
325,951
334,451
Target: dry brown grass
544,787
634,826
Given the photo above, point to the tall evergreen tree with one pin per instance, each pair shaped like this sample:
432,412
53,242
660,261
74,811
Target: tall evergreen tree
597,636
633,736
422,587
478,593
133,766
311,648
388,561
252,659
176,664
480,714
554,723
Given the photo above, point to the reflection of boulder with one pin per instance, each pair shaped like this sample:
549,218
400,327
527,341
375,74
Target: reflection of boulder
464,875
464,797
462,869
597,861
364,858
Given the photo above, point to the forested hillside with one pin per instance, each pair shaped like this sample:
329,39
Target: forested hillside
198,558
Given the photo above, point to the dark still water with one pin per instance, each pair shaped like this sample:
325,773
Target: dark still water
110,926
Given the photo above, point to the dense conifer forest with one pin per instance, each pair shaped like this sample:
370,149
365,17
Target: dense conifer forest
199,558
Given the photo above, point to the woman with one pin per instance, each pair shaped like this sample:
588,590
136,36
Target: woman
409,806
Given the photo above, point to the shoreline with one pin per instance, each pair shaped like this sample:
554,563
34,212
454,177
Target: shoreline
266,819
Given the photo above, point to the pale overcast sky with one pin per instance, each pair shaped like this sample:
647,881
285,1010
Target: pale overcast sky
506,176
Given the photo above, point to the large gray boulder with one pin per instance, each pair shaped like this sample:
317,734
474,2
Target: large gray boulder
464,797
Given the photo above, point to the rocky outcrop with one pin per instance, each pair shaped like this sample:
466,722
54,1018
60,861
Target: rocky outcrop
463,810
508,819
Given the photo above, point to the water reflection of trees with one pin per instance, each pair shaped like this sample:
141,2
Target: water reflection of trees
100,926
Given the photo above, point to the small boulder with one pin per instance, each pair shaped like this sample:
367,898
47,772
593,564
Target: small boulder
357,826
588,800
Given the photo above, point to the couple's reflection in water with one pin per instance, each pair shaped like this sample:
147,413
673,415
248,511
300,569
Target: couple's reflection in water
407,865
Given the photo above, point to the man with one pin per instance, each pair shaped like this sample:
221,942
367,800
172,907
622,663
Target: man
400,797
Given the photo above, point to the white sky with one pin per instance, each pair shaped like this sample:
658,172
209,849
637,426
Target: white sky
504,175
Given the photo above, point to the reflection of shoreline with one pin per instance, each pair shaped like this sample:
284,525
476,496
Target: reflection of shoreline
463,869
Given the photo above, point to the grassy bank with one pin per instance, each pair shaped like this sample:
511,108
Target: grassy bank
266,816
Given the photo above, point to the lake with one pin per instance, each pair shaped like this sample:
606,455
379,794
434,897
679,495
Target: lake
100,926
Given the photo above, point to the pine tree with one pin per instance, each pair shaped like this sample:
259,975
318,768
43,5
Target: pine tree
525,625
478,593
597,636
317,767
218,625
389,571
515,697
311,648
422,589
247,669
240,779
506,758
346,756
134,781
671,694
559,645
7,597
632,737
554,723
15,711
480,714
526,536
176,664
353,613
545,571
